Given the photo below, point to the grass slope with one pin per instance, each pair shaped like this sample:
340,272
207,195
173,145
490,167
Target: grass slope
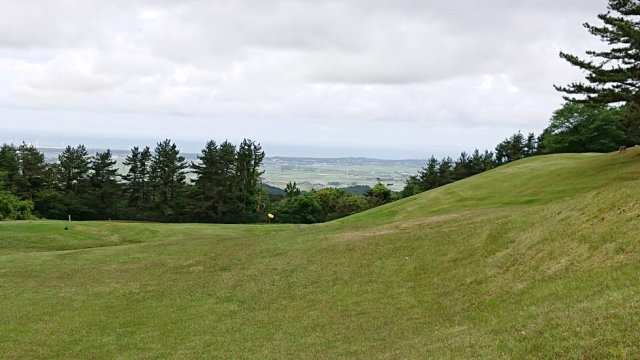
536,259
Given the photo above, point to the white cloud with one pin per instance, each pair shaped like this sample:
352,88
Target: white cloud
404,66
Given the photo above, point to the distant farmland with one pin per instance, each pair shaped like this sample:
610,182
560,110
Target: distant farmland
311,172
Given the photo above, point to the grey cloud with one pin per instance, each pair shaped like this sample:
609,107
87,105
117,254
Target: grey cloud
411,62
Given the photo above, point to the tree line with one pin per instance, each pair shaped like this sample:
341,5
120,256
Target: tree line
599,115
224,185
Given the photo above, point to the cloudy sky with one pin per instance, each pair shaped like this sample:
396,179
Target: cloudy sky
405,78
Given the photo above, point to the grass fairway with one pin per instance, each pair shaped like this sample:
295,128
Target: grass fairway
539,259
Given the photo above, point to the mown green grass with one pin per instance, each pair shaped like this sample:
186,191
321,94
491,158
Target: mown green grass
535,260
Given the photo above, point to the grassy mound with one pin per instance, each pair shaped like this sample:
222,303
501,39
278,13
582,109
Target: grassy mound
536,259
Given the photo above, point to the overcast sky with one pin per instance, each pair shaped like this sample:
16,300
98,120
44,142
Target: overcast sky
403,77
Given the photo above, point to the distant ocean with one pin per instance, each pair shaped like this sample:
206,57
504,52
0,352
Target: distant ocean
190,146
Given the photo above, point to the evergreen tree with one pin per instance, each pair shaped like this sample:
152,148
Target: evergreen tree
511,149
205,187
10,165
476,163
445,171
226,181
429,174
74,169
291,190
530,145
32,169
461,168
412,186
73,179
488,160
249,159
168,177
105,190
613,75
136,180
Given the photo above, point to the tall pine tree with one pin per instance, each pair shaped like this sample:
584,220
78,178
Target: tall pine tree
73,179
613,75
208,184
136,180
168,179
105,190
10,165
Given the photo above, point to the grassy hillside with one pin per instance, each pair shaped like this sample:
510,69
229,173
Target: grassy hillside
536,259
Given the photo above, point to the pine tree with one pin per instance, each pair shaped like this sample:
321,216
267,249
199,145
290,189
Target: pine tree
136,180
461,168
445,171
613,75
226,181
10,165
429,174
248,161
73,178
208,171
168,177
104,194
291,190
530,145
476,165
32,168
74,167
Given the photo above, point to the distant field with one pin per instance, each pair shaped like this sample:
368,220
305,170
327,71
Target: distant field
322,175
314,174
538,259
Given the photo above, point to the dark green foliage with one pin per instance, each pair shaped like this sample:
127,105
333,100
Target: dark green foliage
10,166
49,203
136,181
74,169
226,181
74,182
378,196
248,160
28,176
226,186
612,75
306,209
11,206
446,171
105,189
337,203
512,149
33,172
206,185
167,179
291,190
319,205
577,128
